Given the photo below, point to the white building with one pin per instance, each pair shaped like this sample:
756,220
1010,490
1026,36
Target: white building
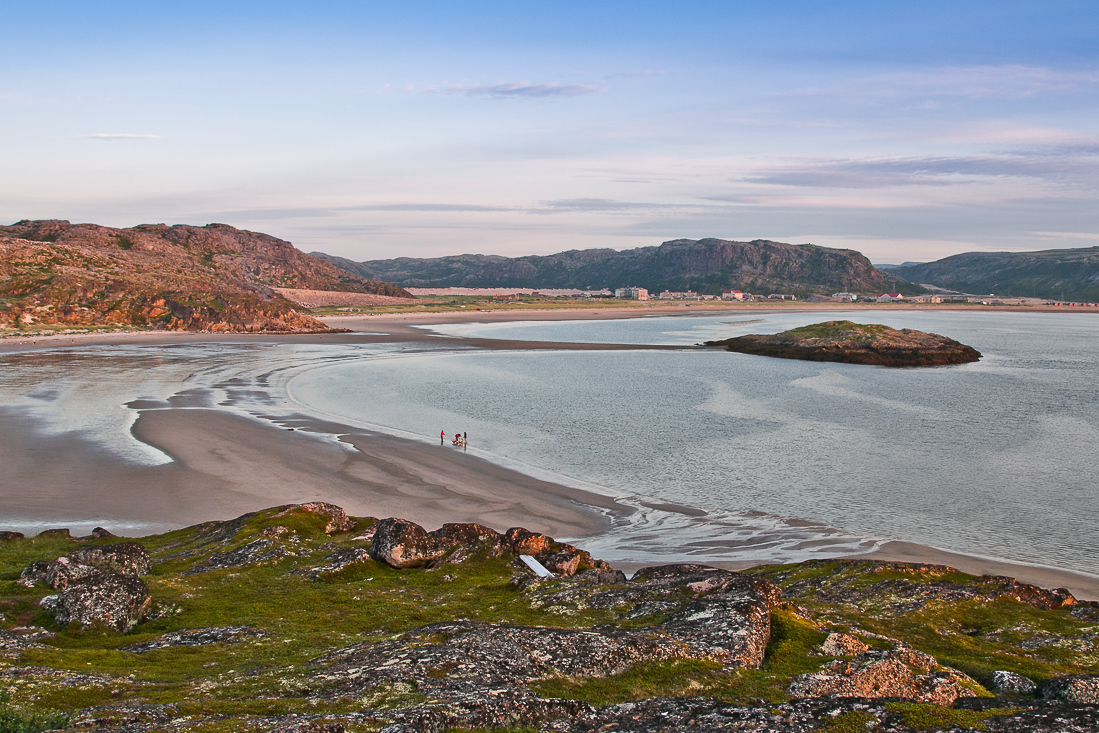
732,295
845,296
631,294
890,297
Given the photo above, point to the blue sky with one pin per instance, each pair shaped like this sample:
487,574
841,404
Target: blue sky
908,131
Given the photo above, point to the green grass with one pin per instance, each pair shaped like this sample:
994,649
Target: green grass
928,717
305,619
16,719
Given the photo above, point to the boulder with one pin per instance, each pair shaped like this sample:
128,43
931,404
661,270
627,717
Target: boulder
125,558
100,533
54,533
1079,688
403,544
562,563
520,541
64,570
900,672
472,536
34,574
842,645
1011,682
101,599
6,536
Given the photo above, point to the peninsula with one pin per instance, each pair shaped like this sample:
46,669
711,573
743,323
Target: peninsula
855,343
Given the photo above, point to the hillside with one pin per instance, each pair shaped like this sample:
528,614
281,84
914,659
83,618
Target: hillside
1057,274
180,278
704,265
300,619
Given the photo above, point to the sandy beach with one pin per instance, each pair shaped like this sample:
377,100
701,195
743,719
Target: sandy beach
225,464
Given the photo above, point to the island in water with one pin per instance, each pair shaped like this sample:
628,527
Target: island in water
855,343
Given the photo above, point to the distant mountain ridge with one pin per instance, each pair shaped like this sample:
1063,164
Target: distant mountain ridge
703,265
211,278
1056,274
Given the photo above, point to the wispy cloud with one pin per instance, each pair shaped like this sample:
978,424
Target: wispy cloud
611,206
1075,164
1005,81
519,90
119,136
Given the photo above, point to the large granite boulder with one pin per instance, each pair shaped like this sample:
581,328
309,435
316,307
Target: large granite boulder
125,558
403,544
1080,688
6,536
101,599
1012,683
899,672
64,571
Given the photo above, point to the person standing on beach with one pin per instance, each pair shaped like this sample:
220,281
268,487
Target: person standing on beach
442,436
465,440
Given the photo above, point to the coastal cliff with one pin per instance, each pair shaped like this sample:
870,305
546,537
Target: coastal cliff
178,278
301,618
855,343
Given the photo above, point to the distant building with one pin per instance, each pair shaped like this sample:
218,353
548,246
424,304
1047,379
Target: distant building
845,296
889,297
732,295
631,294
678,295
781,296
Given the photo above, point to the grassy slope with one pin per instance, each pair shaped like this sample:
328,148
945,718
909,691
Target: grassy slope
304,619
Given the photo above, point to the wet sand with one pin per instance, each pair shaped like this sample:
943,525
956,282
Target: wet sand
225,465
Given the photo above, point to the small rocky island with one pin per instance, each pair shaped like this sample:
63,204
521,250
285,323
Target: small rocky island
302,619
855,343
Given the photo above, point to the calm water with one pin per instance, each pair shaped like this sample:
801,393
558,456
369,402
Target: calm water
782,460
789,459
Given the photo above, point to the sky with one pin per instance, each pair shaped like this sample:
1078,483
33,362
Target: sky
906,130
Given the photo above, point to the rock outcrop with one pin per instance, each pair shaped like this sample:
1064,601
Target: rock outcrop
197,637
1082,688
403,544
898,672
854,343
101,599
314,634
711,614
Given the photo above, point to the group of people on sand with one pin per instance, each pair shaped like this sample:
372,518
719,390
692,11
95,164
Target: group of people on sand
461,440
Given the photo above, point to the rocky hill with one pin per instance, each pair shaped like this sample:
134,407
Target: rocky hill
704,265
1057,274
154,276
300,619
855,343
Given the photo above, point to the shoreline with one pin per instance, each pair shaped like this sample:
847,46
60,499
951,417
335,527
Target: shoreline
225,464
392,323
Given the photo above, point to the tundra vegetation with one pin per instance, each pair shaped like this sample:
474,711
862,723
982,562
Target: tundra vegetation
295,618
